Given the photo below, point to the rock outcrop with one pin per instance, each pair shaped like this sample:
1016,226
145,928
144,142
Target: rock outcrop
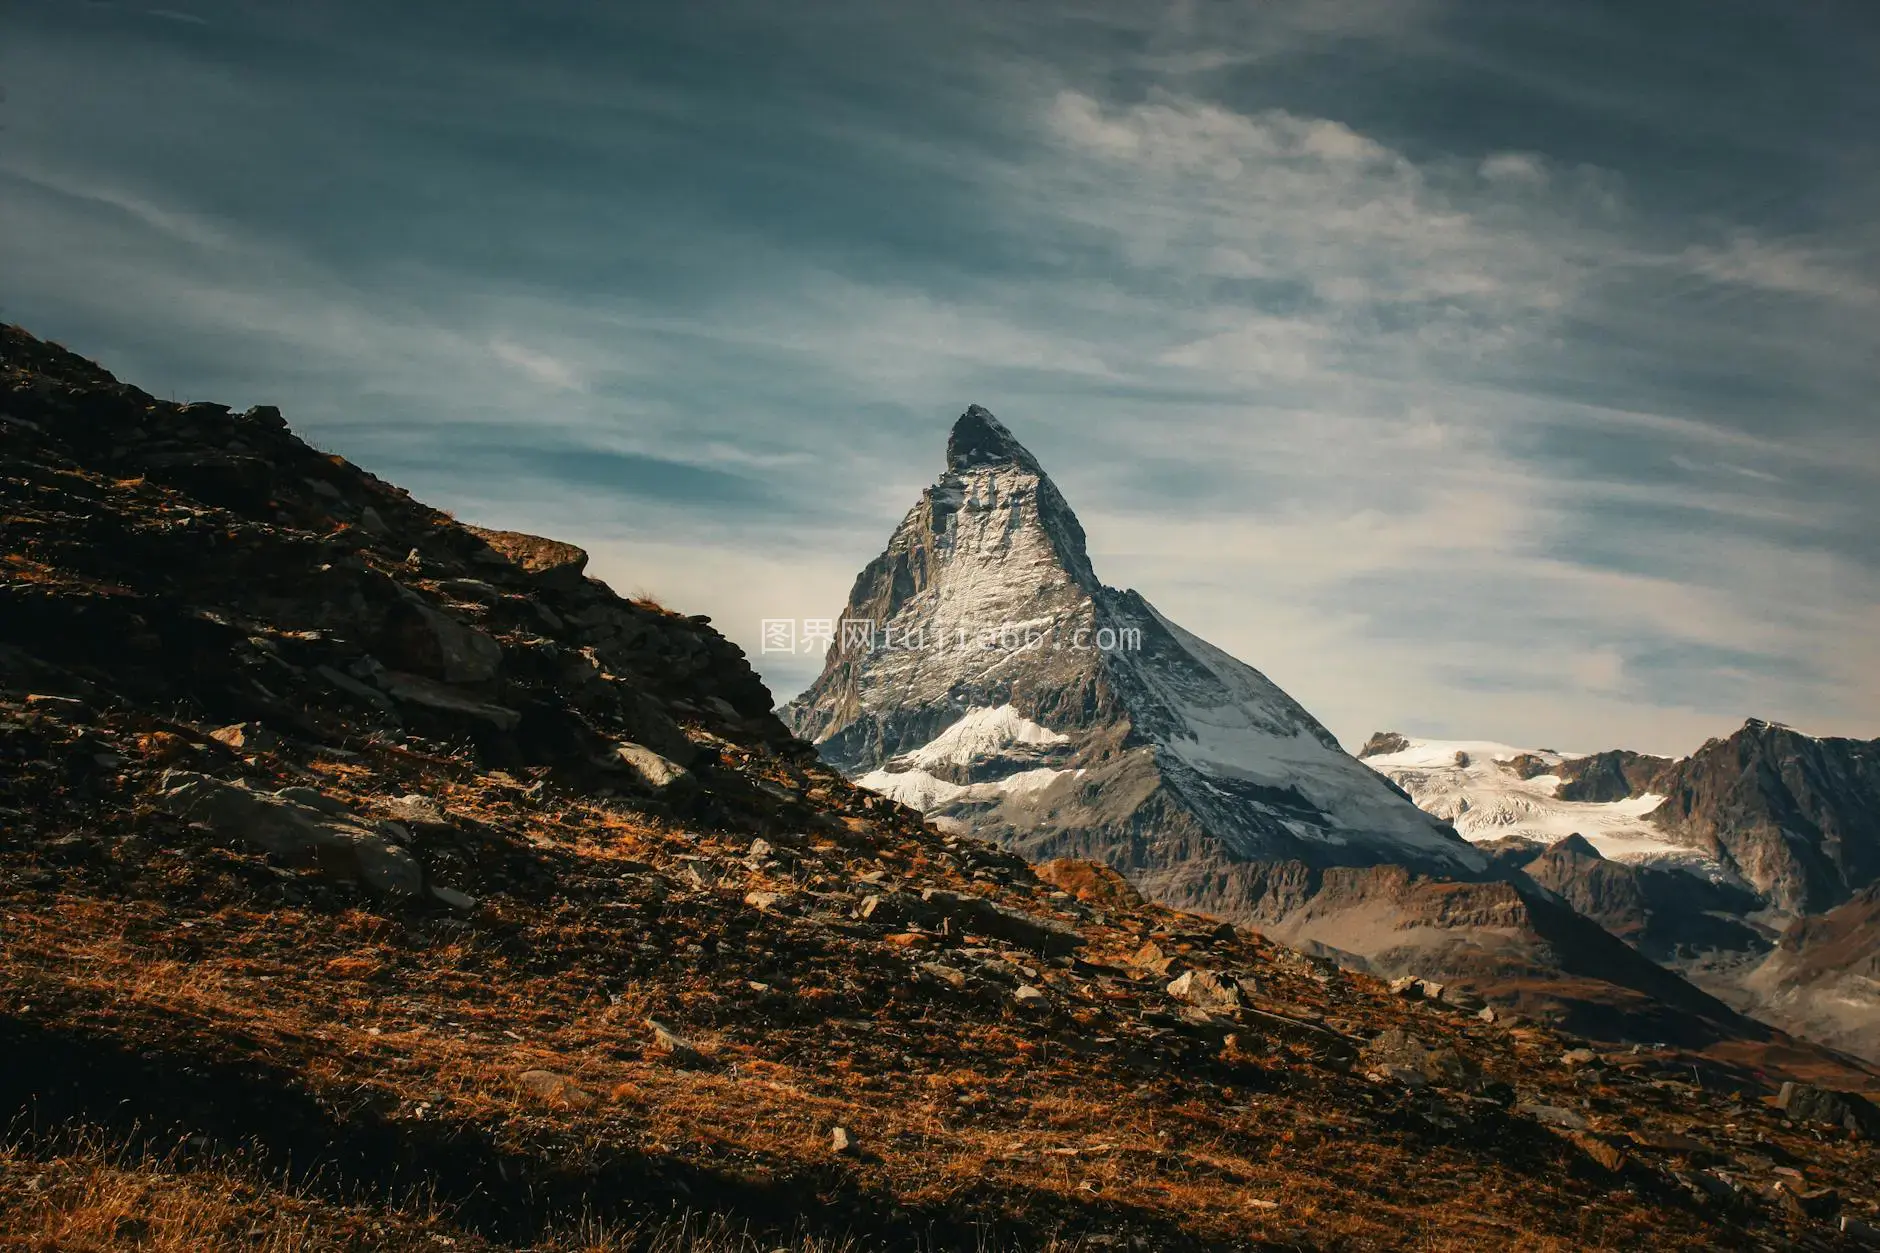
1796,816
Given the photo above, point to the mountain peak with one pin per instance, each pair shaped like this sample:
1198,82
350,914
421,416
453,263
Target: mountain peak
979,439
1578,845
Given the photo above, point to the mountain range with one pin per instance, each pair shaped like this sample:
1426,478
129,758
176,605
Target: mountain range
984,675
1726,865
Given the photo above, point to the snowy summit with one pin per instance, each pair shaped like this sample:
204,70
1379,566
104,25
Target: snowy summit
987,676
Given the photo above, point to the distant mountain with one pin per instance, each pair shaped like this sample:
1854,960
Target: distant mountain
985,675
1797,817
1699,863
1491,791
1097,729
1793,818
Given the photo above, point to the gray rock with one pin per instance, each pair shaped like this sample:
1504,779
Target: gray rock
444,647
947,975
1553,1116
554,1089
412,689
470,589
452,897
840,1141
1030,997
416,811
1206,989
299,826
675,1047
660,776
1806,1103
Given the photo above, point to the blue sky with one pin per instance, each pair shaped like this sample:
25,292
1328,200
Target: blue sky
1475,369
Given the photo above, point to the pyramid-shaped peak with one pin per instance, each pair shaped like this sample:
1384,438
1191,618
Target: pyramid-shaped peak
1578,845
979,439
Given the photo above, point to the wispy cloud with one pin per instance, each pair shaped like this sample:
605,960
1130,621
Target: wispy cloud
1390,351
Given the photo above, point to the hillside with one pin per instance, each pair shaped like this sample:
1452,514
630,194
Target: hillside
371,881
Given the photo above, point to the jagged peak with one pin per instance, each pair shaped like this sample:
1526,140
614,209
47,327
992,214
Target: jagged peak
1576,844
979,439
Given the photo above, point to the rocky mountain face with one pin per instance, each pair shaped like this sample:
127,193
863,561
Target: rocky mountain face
343,845
1670,915
1797,817
985,675
1822,980
1794,818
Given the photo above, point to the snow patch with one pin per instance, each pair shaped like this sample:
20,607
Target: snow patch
983,732
917,789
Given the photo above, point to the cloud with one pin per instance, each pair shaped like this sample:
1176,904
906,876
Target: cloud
1453,388
539,366
1777,266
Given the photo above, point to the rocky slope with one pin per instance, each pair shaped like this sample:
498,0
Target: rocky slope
374,882
1823,978
994,681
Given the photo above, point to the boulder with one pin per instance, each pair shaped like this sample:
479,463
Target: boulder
422,638
657,775
554,1089
548,563
441,698
1804,1102
299,826
1206,989
1091,882
966,912
1396,1050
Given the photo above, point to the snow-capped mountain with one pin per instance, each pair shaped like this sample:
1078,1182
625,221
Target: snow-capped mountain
1793,817
1491,791
983,673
